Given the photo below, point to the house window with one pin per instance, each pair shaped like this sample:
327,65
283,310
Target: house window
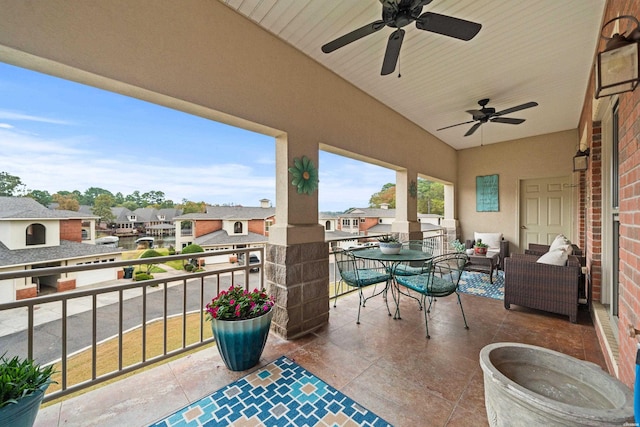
327,225
362,220
237,227
36,234
85,235
346,222
267,225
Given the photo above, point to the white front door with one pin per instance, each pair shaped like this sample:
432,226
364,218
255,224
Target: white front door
545,210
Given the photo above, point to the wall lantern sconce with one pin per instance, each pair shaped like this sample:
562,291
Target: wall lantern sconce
617,65
581,161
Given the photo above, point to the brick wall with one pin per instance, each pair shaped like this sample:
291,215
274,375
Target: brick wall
71,229
29,292
256,226
202,227
368,223
629,175
66,285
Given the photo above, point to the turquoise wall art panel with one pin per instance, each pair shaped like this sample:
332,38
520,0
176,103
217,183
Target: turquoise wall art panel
487,193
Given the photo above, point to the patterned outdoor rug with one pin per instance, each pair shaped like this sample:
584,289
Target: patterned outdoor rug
474,283
280,394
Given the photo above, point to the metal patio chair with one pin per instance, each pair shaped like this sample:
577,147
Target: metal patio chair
413,268
440,281
354,273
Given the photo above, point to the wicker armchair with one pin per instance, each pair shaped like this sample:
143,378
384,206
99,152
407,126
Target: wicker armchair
544,287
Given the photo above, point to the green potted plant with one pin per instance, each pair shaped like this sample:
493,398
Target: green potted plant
240,322
389,245
480,248
22,387
458,246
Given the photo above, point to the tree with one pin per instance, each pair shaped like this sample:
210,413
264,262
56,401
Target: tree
67,203
153,198
150,253
10,185
102,207
119,198
386,195
41,196
90,195
132,206
136,198
430,197
192,249
192,207
167,204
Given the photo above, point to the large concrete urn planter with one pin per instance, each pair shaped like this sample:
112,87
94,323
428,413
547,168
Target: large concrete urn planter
526,385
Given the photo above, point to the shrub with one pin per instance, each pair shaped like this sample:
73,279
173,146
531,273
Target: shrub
192,249
141,275
189,267
150,253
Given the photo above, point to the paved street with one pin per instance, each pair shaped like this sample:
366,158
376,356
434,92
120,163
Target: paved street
48,329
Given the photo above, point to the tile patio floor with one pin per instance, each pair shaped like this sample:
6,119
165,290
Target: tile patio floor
386,365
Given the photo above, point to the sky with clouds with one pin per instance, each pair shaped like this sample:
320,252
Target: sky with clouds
59,135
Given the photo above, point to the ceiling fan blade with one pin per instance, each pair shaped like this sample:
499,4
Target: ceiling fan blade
458,124
393,51
473,129
507,120
353,36
448,26
516,108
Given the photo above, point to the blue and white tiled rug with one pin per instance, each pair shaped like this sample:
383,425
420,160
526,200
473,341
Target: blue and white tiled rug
279,394
474,283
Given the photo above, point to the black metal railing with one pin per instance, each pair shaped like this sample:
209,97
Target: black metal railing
53,329
62,327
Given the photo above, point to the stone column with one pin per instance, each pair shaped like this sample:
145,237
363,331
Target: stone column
297,257
406,222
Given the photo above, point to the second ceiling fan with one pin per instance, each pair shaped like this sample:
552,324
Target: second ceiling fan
487,114
399,13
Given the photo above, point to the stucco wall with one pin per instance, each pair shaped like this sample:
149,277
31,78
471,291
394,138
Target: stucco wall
542,156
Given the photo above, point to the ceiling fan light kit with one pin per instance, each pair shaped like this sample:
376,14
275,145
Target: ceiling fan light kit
618,65
398,14
488,114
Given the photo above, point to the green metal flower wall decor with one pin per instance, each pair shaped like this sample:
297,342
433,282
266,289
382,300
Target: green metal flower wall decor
413,189
305,175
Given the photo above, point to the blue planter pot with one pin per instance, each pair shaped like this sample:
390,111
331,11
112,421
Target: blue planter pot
23,413
240,342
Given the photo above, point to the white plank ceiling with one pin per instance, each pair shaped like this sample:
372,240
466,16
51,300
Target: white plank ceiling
540,51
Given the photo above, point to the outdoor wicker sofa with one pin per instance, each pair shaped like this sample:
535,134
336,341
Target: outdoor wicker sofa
544,287
538,249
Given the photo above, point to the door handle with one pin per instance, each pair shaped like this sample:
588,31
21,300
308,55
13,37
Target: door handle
523,227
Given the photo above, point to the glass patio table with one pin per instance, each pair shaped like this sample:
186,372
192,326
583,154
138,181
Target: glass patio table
390,261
